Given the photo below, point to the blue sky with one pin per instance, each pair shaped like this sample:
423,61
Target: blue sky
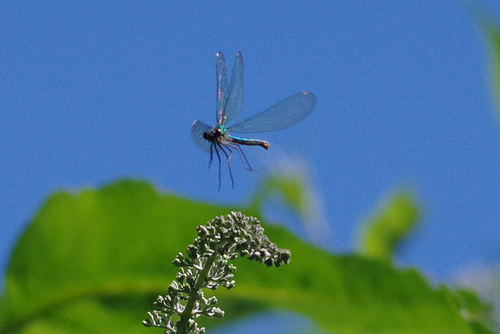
92,92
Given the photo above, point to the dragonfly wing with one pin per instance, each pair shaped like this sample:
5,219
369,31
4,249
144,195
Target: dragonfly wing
222,89
197,130
234,103
280,116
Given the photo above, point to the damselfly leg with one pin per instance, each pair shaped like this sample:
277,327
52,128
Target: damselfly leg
228,161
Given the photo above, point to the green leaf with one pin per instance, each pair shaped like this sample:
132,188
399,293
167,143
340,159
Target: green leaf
94,261
490,27
389,226
494,36
291,186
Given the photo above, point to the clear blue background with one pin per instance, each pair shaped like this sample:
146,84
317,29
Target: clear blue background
94,91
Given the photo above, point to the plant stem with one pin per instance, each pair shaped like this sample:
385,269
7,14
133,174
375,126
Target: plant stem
183,323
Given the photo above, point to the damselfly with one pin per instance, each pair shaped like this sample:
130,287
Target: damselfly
217,139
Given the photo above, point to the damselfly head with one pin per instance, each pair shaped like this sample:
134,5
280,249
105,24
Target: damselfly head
212,134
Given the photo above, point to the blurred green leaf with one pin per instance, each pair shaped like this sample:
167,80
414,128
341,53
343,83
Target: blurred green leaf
290,187
94,261
493,34
389,226
475,310
488,23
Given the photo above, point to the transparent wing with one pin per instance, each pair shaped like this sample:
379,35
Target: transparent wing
280,116
197,130
222,89
234,103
